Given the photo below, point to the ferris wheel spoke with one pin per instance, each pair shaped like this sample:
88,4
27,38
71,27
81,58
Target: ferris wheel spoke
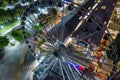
26,20
76,57
76,71
46,69
61,70
65,68
72,71
47,56
55,63
82,62
84,58
44,28
43,36
57,35
62,30
55,76
48,36
81,73
48,44
37,42
30,19
28,27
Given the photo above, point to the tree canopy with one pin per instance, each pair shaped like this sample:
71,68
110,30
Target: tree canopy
17,34
10,15
3,41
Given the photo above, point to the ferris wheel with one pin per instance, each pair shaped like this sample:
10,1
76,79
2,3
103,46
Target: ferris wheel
65,48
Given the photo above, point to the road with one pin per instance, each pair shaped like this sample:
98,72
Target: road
97,21
71,23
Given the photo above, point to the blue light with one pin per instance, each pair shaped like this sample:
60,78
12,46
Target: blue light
79,67
64,0
72,64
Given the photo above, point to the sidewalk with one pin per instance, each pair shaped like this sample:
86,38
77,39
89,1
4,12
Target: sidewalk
10,65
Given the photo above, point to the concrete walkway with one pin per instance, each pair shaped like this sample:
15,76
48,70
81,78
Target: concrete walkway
12,62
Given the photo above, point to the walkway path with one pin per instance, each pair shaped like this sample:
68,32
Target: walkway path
12,61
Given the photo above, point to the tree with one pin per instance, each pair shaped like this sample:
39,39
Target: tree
3,41
19,9
5,16
9,1
5,2
17,34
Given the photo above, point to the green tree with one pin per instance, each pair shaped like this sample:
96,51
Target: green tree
14,1
19,9
5,2
17,34
3,41
8,16
5,16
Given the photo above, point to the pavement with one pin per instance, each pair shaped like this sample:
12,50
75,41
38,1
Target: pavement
11,64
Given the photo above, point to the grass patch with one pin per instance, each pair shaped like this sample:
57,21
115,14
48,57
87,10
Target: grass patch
9,26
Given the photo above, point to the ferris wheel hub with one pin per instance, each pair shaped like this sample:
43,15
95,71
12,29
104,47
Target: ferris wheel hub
59,48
